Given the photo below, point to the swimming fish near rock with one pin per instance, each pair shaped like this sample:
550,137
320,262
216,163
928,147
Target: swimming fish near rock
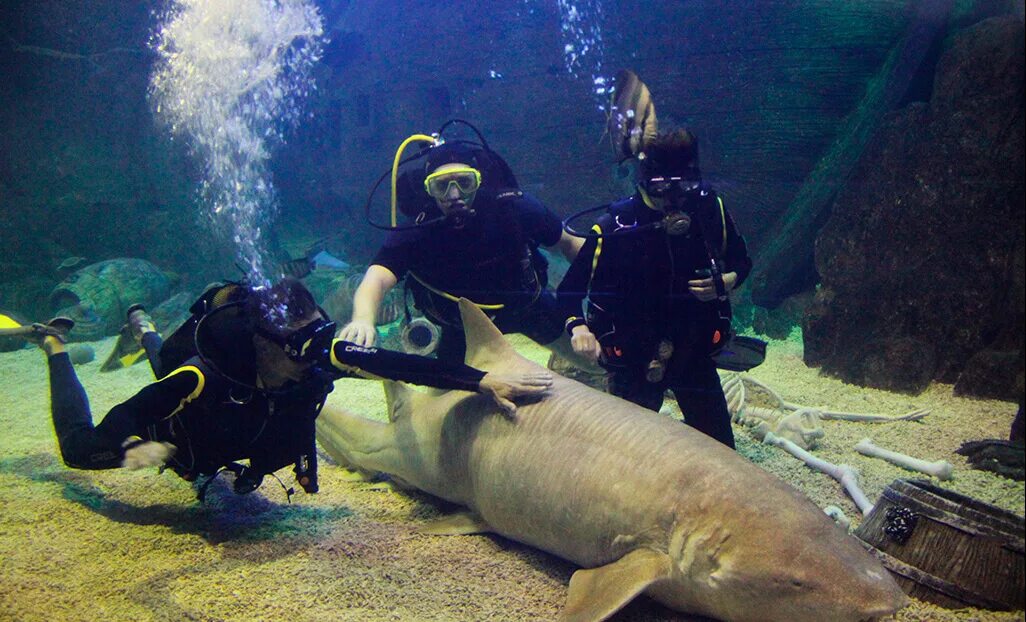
643,503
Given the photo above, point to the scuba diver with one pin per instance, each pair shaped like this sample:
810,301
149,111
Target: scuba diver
656,272
473,235
244,378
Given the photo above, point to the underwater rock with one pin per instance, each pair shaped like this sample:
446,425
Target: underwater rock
105,290
173,312
28,297
89,326
80,353
918,260
991,374
778,323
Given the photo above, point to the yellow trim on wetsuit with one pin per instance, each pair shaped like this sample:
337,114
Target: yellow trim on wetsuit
450,297
352,369
723,220
201,381
598,251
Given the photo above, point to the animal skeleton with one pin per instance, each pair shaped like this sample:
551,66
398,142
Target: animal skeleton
941,469
735,387
843,473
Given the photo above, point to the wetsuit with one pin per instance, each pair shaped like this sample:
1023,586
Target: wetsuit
637,291
492,260
214,422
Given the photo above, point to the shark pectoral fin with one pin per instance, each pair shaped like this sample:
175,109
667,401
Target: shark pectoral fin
460,524
353,474
597,593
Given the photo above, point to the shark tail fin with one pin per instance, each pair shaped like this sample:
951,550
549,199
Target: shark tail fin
486,347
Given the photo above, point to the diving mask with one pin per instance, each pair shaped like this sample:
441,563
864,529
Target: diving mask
309,344
467,181
663,187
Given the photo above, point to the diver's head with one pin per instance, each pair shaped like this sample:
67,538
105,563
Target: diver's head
453,178
292,335
668,173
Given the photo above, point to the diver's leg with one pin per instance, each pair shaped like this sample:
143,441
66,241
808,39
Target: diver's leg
82,447
145,333
630,384
701,400
151,342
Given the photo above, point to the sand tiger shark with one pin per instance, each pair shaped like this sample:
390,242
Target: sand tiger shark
642,502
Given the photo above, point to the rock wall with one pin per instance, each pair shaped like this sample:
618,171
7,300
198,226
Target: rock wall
922,259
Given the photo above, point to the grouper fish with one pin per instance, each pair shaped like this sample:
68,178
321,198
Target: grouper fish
642,502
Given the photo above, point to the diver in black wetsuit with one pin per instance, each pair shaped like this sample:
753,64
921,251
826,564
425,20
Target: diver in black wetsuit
266,362
481,243
656,275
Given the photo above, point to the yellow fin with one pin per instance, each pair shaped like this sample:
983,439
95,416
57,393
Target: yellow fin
460,524
597,593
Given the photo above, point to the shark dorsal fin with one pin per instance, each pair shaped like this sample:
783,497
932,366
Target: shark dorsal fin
486,346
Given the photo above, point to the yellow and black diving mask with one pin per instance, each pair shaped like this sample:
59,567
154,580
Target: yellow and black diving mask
309,344
439,183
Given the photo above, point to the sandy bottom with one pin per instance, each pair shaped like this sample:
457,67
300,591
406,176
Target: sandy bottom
137,546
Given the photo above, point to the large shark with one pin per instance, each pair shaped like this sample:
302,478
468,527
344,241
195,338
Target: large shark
641,502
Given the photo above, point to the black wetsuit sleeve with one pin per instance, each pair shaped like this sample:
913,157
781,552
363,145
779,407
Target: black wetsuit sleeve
574,286
396,253
736,258
351,359
154,403
540,223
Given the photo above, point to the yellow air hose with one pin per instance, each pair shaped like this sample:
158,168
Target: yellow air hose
424,138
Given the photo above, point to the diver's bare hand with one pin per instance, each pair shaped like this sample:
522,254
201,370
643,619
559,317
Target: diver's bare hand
359,332
585,343
705,289
504,387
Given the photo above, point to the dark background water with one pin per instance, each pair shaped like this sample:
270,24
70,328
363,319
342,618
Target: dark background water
787,98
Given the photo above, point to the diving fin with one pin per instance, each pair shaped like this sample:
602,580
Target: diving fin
631,122
741,354
127,351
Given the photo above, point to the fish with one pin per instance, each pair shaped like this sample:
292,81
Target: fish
304,266
641,502
631,120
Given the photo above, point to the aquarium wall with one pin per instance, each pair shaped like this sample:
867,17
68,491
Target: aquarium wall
871,152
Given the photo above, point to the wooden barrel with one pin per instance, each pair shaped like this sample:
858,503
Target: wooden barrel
947,548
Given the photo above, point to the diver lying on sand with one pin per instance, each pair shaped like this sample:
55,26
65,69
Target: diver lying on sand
258,366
